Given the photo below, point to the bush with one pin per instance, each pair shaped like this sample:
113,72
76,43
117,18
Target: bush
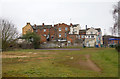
118,47
32,38
112,46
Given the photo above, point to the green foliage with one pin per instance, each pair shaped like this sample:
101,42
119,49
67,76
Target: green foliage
33,39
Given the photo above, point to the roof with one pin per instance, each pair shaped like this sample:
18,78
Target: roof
75,25
98,29
82,30
109,36
114,38
41,26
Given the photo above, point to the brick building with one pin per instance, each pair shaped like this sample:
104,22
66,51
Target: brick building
72,38
43,31
61,31
58,32
82,34
110,40
66,34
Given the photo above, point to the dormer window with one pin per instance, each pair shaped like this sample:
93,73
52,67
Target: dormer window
59,35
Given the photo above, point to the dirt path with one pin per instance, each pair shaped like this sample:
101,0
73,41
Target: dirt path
11,56
91,64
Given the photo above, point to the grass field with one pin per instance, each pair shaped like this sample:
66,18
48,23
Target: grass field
86,62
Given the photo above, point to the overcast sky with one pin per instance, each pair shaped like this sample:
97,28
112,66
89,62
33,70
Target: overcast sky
94,13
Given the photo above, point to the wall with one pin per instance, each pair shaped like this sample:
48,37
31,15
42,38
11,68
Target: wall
63,31
27,28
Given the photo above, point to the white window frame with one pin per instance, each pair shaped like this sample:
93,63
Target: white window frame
59,35
59,29
44,34
44,30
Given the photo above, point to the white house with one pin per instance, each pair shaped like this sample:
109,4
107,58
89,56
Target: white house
93,37
74,29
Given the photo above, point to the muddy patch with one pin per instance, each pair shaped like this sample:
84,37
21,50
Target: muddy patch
13,56
47,53
82,62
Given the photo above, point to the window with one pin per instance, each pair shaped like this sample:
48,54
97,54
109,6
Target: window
59,29
59,35
44,30
88,36
91,32
44,34
66,28
82,36
65,34
92,36
52,37
36,30
29,29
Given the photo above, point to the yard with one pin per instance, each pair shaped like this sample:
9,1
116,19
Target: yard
86,62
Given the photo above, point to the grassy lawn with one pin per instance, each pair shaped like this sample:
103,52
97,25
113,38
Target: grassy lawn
59,63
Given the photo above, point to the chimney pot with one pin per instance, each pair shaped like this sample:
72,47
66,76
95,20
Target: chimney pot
86,27
28,23
70,24
35,25
42,24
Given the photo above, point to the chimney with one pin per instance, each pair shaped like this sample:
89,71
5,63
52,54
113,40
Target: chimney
86,27
42,24
70,24
35,25
28,23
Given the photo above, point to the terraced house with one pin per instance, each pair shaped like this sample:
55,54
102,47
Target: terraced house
66,34
92,37
58,32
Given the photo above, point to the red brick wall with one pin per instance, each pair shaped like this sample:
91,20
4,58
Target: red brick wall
41,33
63,31
71,38
52,34
82,33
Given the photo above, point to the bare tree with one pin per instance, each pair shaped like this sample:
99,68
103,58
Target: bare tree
116,16
111,30
9,34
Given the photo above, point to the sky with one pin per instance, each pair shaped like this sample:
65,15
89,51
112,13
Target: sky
93,13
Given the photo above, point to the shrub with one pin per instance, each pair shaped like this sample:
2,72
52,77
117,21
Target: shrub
118,47
32,38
